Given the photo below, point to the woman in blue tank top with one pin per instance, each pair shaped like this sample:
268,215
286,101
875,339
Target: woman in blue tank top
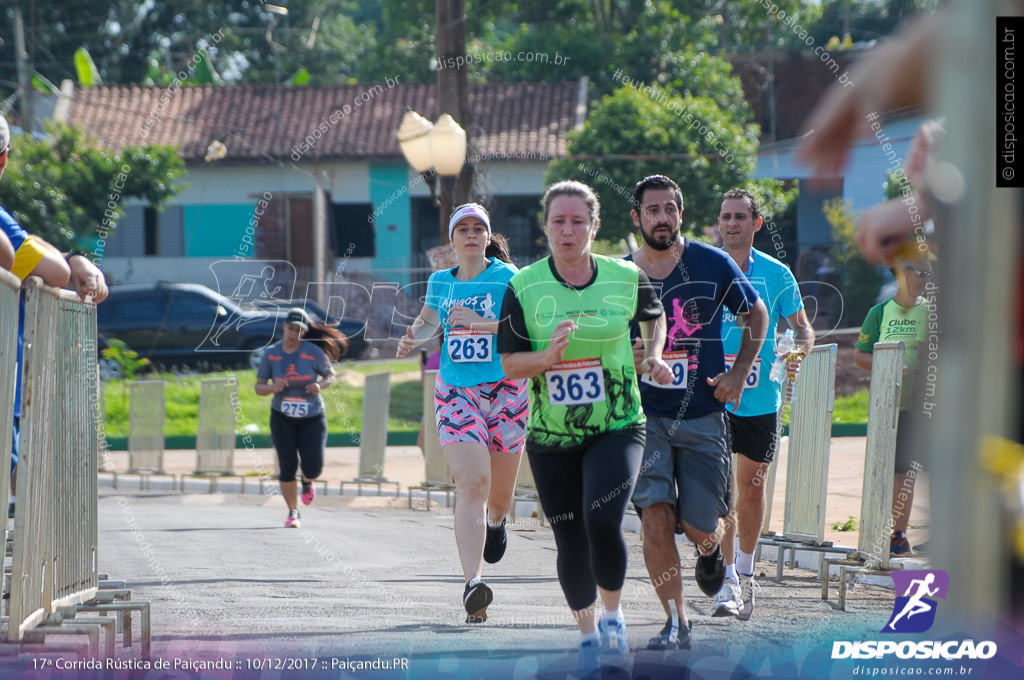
481,415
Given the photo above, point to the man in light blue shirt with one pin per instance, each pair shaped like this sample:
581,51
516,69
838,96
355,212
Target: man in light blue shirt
753,421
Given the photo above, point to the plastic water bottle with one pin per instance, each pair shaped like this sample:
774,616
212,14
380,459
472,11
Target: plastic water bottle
782,352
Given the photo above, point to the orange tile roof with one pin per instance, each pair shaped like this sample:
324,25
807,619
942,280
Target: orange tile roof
517,121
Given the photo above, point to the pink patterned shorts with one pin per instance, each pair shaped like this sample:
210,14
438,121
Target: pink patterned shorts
492,414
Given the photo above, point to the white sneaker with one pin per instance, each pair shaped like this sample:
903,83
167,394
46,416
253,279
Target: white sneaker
727,600
747,585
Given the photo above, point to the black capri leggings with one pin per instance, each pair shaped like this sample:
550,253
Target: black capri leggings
584,491
299,438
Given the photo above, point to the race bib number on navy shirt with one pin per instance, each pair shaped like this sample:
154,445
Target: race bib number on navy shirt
678,363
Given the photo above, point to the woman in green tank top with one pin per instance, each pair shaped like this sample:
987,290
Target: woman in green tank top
565,326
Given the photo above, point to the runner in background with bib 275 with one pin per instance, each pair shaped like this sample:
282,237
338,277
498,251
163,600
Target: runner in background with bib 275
295,371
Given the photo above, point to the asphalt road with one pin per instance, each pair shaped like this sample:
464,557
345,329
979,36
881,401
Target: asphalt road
367,579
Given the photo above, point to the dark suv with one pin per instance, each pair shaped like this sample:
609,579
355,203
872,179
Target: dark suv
187,324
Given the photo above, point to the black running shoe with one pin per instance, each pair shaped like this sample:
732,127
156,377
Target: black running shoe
476,598
669,640
497,541
710,572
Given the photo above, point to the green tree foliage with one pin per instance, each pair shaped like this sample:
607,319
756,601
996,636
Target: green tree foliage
88,75
62,186
404,45
376,39
860,279
865,20
332,54
650,40
125,36
896,184
126,361
704,148
748,25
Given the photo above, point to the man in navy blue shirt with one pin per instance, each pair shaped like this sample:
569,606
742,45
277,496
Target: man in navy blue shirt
684,479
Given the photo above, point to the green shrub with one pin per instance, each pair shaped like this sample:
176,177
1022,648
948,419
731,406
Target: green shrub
848,525
128,361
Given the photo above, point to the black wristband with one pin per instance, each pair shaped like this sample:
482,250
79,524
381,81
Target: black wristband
71,254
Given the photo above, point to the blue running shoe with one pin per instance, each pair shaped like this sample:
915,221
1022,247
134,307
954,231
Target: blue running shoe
613,637
590,661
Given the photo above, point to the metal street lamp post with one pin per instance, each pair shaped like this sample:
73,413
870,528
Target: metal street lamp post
435,151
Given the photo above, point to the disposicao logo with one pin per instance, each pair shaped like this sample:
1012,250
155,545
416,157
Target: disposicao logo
914,612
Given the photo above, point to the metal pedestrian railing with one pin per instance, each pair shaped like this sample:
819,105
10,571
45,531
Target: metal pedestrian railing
810,435
808,458
54,568
872,553
10,290
76,451
34,542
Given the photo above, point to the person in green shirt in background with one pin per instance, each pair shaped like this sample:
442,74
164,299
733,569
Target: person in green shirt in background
901,318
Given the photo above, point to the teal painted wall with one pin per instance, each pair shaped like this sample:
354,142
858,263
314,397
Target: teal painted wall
215,230
389,194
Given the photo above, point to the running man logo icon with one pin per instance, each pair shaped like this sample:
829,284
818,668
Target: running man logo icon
914,611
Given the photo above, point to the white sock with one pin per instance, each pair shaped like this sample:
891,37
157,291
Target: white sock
730,572
745,563
584,637
612,614
491,523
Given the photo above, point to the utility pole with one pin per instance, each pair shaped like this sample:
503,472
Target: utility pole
319,229
453,98
24,81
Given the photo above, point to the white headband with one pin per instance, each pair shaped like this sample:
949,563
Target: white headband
465,211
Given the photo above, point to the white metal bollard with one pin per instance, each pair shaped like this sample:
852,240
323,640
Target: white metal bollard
435,464
880,460
373,441
146,431
438,476
215,441
872,554
809,440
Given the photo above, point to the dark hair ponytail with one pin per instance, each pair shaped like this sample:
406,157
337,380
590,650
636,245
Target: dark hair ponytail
330,340
498,247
